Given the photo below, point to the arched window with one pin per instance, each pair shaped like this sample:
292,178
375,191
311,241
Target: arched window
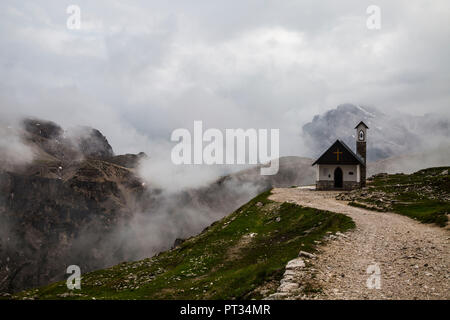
361,135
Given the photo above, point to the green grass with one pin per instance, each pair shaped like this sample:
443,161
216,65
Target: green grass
423,195
426,211
229,260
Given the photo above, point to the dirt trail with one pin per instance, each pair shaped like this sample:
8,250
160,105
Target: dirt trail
413,258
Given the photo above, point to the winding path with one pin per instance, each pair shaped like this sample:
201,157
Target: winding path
413,258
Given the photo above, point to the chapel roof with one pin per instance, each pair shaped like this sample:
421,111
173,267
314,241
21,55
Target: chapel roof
339,153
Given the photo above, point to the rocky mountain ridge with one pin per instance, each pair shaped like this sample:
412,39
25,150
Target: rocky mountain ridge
388,135
78,203
70,189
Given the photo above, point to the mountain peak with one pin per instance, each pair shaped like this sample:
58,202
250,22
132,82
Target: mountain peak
389,135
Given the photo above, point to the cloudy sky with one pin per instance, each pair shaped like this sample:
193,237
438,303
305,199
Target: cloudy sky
137,70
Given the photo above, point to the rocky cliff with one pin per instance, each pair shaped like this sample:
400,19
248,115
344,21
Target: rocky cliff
71,189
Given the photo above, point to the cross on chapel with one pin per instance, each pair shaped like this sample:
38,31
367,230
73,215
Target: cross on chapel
337,153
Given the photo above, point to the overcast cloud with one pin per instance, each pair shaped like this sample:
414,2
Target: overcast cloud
137,71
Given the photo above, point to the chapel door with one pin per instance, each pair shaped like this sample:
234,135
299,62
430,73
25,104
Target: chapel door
338,180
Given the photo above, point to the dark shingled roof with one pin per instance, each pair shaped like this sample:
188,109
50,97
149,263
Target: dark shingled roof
346,154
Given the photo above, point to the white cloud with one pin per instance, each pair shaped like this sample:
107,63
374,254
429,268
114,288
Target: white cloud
138,70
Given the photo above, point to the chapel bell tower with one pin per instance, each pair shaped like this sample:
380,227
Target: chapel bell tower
361,142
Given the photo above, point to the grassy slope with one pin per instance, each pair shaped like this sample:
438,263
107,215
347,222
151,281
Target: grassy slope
230,259
423,195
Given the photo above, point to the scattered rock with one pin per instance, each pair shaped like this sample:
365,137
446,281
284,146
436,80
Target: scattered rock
288,287
289,272
277,296
306,254
296,263
340,234
177,242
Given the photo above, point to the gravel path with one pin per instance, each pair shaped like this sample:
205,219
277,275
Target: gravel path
412,258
